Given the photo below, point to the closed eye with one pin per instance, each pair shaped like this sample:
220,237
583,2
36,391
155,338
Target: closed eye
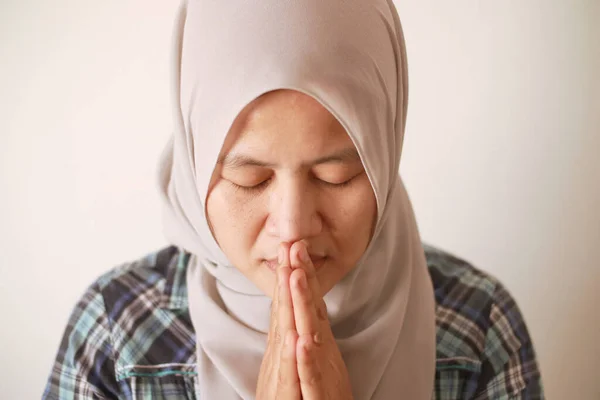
337,185
250,189
262,185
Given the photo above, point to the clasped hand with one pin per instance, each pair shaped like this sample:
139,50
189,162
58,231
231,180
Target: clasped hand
302,360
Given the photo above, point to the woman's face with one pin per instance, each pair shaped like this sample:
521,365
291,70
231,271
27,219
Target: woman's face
288,171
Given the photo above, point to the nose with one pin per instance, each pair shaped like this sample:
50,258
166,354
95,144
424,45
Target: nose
293,211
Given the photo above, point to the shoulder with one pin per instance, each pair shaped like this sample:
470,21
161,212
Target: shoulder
464,296
131,320
482,341
148,277
147,308
151,267
458,284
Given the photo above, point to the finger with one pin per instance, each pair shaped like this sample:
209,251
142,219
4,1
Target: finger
274,308
275,300
301,260
309,371
282,319
287,377
305,309
285,312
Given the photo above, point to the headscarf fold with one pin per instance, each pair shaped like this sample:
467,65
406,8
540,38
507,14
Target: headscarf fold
350,56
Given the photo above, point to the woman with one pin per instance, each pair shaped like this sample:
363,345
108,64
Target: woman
297,270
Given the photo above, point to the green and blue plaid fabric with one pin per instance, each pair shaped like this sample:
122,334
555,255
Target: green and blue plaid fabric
130,336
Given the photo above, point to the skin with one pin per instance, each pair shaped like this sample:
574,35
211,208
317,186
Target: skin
302,360
289,179
253,208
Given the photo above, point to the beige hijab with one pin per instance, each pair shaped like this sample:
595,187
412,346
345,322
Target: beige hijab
349,55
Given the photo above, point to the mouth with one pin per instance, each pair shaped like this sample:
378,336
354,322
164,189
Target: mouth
317,261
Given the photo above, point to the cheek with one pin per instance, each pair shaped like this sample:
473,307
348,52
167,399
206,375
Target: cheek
234,223
353,220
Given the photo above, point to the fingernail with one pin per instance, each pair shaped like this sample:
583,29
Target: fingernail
303,253
306,349
317,338
302,281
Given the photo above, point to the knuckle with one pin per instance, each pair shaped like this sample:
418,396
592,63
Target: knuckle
323,305
308,300
277,339
285,380
281,379
308,358
310,273
272,330
322,311
317,338
316,378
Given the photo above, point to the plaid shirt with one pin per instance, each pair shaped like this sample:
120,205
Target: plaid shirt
130,336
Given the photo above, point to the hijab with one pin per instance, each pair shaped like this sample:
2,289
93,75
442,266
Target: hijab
350,56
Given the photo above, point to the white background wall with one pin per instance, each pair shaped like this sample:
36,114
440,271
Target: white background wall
500,160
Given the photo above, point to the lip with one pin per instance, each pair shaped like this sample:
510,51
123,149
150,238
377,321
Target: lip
317,261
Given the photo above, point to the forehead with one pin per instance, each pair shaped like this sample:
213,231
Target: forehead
287,116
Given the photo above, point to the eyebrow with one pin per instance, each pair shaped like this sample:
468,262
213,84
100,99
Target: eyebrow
233,160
